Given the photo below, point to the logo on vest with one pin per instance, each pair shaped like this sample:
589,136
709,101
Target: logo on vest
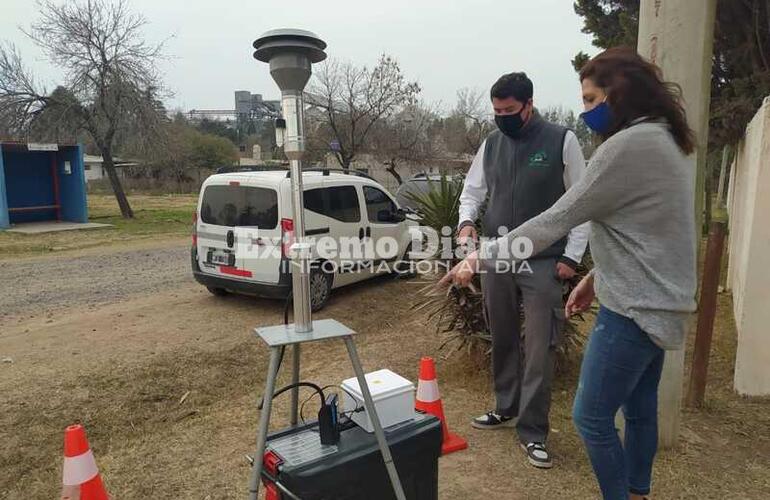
538,159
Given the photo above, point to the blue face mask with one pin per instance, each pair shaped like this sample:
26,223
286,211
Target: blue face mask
599,118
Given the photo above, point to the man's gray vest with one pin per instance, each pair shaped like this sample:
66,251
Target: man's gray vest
524,177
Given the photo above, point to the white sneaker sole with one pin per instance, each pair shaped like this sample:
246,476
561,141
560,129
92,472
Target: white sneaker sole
505,425
537,463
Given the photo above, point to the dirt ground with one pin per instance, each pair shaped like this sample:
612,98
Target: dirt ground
115,337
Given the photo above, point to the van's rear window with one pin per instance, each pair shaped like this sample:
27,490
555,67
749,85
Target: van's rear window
240,206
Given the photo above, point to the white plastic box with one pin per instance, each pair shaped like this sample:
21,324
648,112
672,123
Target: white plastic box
393,397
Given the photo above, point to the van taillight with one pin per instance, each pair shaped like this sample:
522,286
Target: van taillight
287,236
195,229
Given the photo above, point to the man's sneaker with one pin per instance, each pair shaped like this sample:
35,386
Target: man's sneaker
537,455
492,420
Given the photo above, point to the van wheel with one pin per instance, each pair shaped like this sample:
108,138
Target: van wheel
320,289
219,292
404,268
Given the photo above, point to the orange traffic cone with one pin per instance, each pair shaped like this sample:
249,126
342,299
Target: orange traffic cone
80,478
429,401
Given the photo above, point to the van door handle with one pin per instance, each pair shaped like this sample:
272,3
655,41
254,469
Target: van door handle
320,230
360,233
368,232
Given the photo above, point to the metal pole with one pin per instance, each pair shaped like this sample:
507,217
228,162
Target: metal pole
295,379
294,148
706,312
378,432
264,419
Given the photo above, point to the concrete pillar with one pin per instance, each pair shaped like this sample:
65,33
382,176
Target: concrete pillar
678,36
749,247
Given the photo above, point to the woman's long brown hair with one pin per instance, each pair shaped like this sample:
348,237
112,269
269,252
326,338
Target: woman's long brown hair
635,88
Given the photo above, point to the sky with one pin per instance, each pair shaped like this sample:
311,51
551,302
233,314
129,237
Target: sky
445,45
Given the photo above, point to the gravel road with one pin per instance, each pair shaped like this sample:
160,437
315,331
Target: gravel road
34,286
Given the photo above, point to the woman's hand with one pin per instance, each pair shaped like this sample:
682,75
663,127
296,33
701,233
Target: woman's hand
581,297
462,273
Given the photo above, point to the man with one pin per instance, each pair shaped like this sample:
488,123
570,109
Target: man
523,168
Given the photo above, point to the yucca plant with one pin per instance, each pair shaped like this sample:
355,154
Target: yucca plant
438,207
459,312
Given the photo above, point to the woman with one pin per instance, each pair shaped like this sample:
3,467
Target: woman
638,193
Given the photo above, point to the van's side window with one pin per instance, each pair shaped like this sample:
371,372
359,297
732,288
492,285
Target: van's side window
337,202
377,204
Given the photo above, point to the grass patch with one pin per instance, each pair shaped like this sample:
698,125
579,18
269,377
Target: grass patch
164,216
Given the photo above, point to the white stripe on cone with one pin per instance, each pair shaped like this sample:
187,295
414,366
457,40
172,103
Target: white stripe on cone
79,469
427,391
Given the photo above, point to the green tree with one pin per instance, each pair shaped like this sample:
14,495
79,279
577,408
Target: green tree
219,128
57,119
740,76
183,153
207,151
611,22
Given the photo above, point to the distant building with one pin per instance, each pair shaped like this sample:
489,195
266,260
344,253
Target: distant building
252,105
94,170
247,106
251,113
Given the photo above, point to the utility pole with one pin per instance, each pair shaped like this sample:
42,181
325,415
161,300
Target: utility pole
678,36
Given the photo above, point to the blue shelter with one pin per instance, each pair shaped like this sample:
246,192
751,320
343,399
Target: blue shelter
41,182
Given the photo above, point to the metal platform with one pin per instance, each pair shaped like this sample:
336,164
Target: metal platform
282,335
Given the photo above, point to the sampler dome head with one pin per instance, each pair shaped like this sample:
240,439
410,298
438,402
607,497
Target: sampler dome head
290,53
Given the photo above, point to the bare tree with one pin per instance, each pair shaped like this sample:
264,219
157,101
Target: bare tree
109,69
355,99
566,117
404,137
473,106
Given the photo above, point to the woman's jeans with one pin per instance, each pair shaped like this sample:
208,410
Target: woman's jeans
621,368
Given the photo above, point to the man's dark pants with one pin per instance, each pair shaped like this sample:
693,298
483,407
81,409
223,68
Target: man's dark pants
523,383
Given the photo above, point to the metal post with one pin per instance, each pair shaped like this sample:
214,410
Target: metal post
291,54
264,419
706,311
378,432
294,148
294,379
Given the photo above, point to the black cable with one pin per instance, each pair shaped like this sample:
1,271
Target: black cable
280,391
302,408
358,409
313,386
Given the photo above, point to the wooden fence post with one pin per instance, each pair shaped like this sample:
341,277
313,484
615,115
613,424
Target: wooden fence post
706,312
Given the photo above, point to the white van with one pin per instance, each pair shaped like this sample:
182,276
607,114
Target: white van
243,229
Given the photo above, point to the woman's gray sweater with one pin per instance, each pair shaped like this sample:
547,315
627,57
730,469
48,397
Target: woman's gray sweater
638,193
